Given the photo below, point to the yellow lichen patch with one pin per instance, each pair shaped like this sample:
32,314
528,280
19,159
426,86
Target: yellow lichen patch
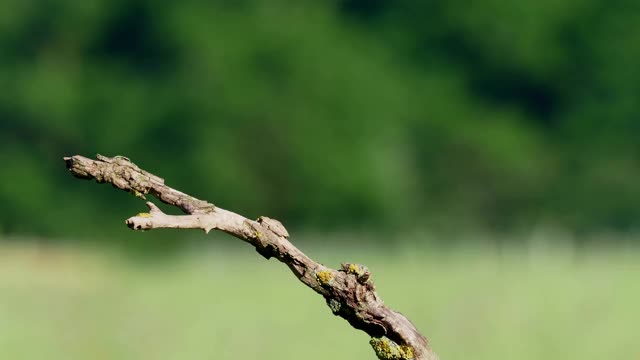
138,194
144,215
407,350
360,271
324,277
387,349
354,269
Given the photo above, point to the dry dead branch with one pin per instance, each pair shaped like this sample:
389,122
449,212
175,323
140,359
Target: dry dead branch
348,291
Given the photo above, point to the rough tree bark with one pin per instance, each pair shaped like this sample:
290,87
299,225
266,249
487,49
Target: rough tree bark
348,291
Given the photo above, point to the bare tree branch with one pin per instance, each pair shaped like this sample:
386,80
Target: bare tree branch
349,291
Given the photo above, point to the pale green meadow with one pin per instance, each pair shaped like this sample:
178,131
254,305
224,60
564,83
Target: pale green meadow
221,302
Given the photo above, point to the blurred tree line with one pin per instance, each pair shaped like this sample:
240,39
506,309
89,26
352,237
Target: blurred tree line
342,113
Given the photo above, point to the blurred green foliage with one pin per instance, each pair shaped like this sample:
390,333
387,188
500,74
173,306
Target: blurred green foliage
440,114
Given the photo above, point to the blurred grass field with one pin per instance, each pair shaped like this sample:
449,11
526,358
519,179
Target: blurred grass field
222,302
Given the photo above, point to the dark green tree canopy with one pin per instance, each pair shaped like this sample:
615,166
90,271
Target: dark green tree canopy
351,112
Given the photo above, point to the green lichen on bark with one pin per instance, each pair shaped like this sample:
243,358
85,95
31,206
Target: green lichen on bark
334,305
387,349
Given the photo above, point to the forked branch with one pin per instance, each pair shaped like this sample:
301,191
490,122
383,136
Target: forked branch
349,291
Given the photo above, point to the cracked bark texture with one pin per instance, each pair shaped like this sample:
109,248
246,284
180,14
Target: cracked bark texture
348,291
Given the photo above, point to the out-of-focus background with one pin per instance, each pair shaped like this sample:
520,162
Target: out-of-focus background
483,159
